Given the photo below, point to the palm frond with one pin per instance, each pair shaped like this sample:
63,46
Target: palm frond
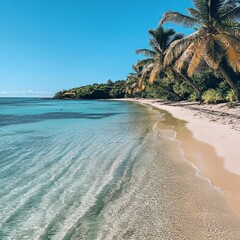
139,88
166,37
231,49
196,59
146,52
132,75
229,40
156,33
177,48
232,30
232,14
215,7
144,62
227,7
195,13
201,5
178,18
133,85
155,45
154,73
233,58
213,53
175,37
135,69
168,33
184,58
147,70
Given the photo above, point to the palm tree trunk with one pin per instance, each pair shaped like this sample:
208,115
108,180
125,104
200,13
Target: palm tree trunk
230,81
193,85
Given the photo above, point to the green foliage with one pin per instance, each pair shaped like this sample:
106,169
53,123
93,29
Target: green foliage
95,91
193,97
174,87
118,89
212,96
231,96
169,87
204,80
207,79
182,88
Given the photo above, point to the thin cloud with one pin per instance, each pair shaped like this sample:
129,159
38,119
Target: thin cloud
26,92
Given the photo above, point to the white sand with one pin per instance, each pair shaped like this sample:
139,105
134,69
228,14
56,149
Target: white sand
222,132
214,145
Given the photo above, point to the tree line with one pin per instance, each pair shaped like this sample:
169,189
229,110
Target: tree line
207,60
204,65
106,90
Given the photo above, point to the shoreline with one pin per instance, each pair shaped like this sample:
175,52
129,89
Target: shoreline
209,141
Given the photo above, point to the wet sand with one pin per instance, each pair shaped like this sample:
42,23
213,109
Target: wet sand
210,165
211,147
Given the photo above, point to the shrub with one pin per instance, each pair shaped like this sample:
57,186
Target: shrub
212,96
231,96
193,97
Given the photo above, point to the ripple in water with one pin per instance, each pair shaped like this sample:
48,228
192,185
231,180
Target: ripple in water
90,174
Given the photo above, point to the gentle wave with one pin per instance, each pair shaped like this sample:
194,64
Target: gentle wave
58,170
101,170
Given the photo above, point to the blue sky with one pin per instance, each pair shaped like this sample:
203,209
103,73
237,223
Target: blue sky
50,45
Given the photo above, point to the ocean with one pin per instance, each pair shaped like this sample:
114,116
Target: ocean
101,170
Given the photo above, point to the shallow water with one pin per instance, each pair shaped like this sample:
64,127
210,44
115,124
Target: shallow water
100,170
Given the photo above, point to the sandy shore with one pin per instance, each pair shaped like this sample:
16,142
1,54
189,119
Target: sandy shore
209,137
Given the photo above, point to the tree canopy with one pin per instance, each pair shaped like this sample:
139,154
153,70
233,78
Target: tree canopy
204,65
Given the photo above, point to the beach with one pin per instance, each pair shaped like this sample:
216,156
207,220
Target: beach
209,136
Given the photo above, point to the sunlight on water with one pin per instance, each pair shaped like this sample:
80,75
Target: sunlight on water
59,160
100,170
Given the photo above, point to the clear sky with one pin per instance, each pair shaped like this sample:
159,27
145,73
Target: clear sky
50,45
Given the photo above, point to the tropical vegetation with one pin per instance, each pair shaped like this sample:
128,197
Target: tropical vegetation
106,90
215,41
204,65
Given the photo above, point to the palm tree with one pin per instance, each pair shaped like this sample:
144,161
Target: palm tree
134,79
215,42
153,66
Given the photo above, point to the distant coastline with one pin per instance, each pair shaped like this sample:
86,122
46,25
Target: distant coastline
106,90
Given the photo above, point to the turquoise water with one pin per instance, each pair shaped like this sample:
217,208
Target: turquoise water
102,170
62,161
